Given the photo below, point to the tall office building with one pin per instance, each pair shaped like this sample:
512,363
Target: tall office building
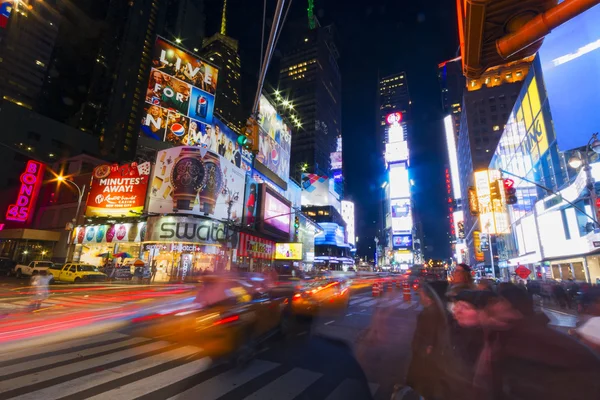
28,31
486,104
452,84
185,23
116,94
310,84
222,51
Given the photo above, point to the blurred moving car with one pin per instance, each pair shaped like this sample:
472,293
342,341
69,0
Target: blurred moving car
321,297
228,317
6,266
76,273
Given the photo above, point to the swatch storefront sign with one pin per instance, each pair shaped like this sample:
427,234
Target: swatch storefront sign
184,229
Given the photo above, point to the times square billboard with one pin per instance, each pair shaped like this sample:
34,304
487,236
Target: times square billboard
180,97
570,60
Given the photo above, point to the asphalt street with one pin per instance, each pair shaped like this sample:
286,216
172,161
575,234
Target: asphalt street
360,354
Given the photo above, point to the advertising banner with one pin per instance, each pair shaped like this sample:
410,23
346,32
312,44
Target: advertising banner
180,95
184,229
275,212
402,241
255,247
116,233
288,251
399,180
275,139
5,11
479,256
251,203
332,234
348,217
192,180
401,215
118,190
570,58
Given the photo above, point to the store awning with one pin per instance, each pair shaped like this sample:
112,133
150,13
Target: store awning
30,234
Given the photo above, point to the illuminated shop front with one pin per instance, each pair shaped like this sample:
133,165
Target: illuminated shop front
183,248
97,244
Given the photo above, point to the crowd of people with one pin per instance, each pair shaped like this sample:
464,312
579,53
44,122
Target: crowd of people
489,341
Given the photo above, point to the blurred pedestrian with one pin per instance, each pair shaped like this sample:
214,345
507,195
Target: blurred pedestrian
153,272
430,342
39,283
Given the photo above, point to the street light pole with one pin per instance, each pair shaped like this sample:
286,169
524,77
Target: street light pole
80,192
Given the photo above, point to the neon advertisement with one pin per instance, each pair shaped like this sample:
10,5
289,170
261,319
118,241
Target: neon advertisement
31,181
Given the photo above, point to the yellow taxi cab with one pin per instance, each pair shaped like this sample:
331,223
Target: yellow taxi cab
321,297
228,316
76,273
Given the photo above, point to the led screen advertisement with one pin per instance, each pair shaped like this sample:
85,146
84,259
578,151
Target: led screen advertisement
118,190
570,59
115,233
193,180
275,140
275,212
331,234
251,202
348,217
180,95
402,241
5,11
397,151
399,180
401,215
288,251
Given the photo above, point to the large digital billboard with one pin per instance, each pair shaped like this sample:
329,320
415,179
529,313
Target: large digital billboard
193,180
401,215
452,156
288,251
331,234
5,11
404,242
399,180
348,217
570,59
180,96
275,212
118,190
275,139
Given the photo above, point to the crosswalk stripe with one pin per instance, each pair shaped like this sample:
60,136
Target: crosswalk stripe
286,386
25,380
43,361
152,383
89,381
358,301
19,354
222,384
419,307
405,306
369,303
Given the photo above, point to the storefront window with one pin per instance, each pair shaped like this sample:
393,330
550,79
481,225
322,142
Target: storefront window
579,271
566,272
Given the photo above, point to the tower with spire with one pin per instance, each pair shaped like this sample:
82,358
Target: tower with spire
222,51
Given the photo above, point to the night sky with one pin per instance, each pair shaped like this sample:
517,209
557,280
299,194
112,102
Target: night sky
376,38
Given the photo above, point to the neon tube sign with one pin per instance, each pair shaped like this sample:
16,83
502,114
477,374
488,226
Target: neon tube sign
31,181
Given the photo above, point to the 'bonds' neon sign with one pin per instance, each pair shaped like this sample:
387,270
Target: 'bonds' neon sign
31,181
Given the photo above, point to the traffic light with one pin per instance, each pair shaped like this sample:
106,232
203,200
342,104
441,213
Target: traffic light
509,191
495,193
249,137
296,222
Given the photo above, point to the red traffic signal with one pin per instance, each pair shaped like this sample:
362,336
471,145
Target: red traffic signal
510,193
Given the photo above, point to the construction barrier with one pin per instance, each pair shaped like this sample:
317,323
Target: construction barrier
376,289
390,286
406,290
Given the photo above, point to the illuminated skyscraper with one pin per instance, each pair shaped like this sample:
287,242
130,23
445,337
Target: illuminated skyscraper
222,51
310,83
393,96
452,84
28,32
